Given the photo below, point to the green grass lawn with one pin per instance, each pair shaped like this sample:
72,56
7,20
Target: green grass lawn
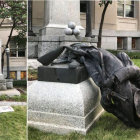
21,98
108,127
13,124
136,62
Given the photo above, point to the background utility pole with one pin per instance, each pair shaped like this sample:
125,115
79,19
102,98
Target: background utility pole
88,19
30,32
8,67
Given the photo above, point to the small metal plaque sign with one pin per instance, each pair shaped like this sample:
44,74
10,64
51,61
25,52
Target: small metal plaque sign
6,109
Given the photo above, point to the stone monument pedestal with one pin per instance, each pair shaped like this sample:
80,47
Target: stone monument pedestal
6,84
9,83
1,75
58,14
3,85
63,106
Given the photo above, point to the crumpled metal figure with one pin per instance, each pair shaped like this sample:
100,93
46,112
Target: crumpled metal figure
117,77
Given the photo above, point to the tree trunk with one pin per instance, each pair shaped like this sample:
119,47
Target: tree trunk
101,26
2,60
2,22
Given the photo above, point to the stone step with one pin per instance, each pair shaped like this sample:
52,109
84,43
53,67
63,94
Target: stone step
10,92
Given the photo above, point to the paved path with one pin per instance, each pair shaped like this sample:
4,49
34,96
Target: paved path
10,92
7,103
31,82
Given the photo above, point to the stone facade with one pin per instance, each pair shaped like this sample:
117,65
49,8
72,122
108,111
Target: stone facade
114,26
39,46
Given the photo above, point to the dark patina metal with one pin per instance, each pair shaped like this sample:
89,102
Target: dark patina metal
117,77
62,73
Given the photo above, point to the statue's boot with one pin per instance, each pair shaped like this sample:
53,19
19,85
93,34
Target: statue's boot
74,64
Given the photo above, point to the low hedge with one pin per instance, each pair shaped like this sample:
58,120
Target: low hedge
20,83
132,55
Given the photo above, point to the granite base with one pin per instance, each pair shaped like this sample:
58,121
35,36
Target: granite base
63,108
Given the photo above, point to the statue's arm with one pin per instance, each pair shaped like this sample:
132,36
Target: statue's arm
49,57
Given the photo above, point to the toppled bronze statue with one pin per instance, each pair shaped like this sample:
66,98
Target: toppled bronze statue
117,77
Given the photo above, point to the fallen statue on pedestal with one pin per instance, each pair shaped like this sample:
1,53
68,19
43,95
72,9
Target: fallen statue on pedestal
117,77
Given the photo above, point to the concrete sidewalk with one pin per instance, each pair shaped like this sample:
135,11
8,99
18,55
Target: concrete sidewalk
7,103
10,92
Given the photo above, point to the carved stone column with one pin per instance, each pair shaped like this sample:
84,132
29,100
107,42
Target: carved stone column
58,14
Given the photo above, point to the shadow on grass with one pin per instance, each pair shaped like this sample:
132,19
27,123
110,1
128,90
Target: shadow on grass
108,127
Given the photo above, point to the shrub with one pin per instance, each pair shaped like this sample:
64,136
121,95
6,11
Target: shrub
20,83
32,74
132,55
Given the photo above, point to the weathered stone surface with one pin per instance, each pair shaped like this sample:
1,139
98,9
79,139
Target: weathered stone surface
85,39
46,47
94,44
70,38
94,40
9,83
77,39
62,129
3,85
61,106
52,31
58,16
49,38
67,43
33,38
55,20
32,49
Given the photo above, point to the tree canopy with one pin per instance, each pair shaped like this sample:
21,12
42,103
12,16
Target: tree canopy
104,2
16,11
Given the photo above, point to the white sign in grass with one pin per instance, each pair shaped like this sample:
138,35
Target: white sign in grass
6,109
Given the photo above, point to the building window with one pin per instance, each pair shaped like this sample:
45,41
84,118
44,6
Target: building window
23,74
16,51
133,43
13,74
125,8
83,6
120,43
